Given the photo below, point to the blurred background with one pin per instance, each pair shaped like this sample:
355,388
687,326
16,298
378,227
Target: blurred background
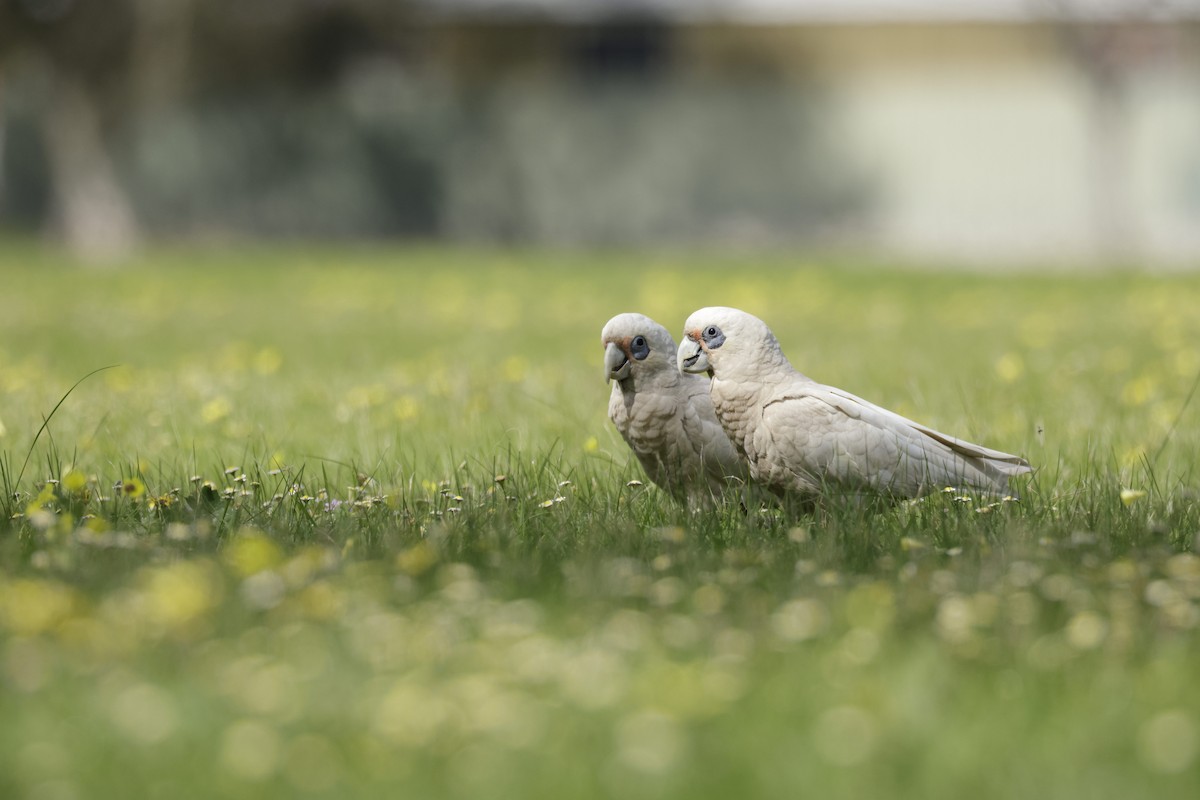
995,132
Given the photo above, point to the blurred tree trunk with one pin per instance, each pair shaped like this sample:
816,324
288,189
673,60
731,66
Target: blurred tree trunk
161,52
2,159
93,214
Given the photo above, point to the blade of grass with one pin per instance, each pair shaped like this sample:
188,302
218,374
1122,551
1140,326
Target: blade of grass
46,420
1171,430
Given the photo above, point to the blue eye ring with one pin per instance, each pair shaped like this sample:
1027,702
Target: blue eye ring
713,337
639,348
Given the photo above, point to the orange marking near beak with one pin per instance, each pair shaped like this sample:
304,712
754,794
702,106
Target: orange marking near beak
623,344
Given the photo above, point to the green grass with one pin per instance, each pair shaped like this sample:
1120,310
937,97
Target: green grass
279,559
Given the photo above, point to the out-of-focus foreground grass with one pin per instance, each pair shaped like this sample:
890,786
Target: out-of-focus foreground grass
345,522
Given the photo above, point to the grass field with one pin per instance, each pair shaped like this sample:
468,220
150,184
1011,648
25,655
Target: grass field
352,523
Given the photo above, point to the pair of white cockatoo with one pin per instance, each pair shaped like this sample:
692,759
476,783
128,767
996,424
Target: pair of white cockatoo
755,417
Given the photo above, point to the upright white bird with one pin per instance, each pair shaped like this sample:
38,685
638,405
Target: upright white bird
799,436
665,416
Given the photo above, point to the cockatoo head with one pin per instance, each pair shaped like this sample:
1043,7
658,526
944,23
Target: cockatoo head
727,342
636,344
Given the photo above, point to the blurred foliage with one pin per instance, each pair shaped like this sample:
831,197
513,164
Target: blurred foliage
364,117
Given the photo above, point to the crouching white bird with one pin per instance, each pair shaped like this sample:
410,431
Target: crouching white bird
798,435
665,416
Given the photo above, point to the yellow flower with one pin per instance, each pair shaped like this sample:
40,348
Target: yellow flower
252,552
181,593
1009,367
30,607
405,408
268,361
417,559
133,488
161,502
45,496
1131,496
591,444
73,480
1139,391
216,410
514,369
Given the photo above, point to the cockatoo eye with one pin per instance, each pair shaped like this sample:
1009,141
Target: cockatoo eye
713,337
638,348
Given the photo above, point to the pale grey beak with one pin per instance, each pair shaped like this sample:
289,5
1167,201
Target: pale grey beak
691,358
616,364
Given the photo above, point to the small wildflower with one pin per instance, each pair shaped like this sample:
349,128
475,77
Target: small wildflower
132,488
634,484
417,559
74,480
1009,367
547,504
501,478
252,552
216,410
231,470
161,502
1131,496
268,361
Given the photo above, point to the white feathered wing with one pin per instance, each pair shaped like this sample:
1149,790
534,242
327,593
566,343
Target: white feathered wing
812,435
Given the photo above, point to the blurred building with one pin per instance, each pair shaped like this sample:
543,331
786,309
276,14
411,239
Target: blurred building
990,131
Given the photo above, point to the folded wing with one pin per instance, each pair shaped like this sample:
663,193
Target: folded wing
818,435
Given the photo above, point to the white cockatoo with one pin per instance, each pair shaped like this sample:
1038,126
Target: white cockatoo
799,436
665,416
